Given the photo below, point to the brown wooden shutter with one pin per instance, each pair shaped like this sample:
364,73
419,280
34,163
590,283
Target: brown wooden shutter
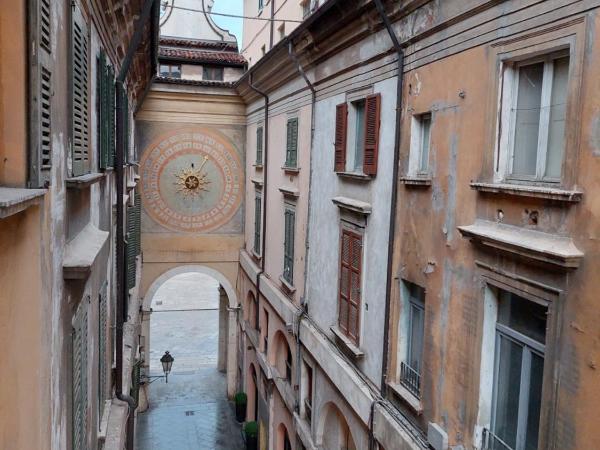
372,119
341,132
350,281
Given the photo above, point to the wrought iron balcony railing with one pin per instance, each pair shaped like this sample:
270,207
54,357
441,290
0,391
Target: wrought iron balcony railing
493,442
410,379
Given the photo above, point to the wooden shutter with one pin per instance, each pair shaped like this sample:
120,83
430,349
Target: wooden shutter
102,345
125,126
111,116
291,159
372,120
131,247
79,96
259,145
288,251
138,223
341,132
41,68
257,224
79,376
350,281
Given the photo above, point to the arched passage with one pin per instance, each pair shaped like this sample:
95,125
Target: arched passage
333,430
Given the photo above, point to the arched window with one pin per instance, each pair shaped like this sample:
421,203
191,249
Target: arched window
288,366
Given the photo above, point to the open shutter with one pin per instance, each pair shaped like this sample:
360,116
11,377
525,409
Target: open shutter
131,246
341,131
372,119
111,116
79,376
350,280
291,159
41,68
79,96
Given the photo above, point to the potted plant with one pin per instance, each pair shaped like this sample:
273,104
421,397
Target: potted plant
241,400
251,435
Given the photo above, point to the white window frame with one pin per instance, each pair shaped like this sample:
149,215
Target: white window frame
508,100
352,139
417,141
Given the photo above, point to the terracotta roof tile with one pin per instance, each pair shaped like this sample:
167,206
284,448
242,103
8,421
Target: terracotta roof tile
191,43
206,56
180,81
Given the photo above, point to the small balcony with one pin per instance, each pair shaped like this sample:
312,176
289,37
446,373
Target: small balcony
410,379
493,442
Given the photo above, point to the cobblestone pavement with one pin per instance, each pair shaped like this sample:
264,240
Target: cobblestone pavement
191,412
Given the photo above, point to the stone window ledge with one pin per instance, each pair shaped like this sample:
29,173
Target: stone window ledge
409,398
347,344
257,182
286,285
550,193
255,255
352,205
529,244
82,252
258,166
416,181
289,192
15,200
84,181
264,365
291,170
354,176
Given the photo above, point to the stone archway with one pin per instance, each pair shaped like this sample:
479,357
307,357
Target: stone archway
228,307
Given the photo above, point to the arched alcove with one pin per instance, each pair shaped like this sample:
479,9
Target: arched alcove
333,431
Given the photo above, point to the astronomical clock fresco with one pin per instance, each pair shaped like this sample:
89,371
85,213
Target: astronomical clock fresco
192,180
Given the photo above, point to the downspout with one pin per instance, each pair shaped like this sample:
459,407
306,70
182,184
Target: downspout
393,206
303,306
122,293
265,184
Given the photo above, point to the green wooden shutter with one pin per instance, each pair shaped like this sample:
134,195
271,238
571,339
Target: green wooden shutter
131,247
80,152
102,345
288,252
257,224
111,116
138,223
291,159
41,68
135,381
125,127
259,145
79,376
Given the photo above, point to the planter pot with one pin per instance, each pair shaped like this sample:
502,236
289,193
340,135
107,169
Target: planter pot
251,443
240,412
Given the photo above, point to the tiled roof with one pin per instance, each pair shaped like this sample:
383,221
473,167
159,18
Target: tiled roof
206,56
207,45
180,81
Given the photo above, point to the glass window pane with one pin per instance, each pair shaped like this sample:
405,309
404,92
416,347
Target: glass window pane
527,119
416,337
558,114
360,136
508,381
425,143
523,316
535,402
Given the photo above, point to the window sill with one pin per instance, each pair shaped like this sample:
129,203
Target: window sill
416,181
549,193
292,193
83,181
291,170
354,176
15,200
406,396
255,255
356,206
82,252
349,346
258,166
257,182
286,285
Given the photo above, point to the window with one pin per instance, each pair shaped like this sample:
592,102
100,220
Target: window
420,145
518,374
360,152
411,366
263,50
308,392
261,4
291,154
305,8
212,73
288,244
286,442
350,284
288,366
80,153
281,29
170,70
265,332
257,223
79,343
534,101
259,145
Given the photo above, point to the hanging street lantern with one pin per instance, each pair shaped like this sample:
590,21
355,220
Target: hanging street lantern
167,363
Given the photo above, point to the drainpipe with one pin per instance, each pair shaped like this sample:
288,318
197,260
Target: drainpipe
393,207
303,306
122,293
265,184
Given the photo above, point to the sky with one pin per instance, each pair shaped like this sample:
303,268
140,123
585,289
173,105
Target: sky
229,23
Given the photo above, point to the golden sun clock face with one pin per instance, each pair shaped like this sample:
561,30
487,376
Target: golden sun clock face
191,180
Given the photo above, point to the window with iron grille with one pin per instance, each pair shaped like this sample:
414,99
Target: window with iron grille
80,145
79,339
257,223
288,244
411,365
350,284
259,145
291,155
212,73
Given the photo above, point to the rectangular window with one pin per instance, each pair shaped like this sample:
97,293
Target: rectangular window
265,332
212,73
257,223
356,143
536,105
420,145
309,392
518,374
170,70
259,145
411,367
261,4
291,154
350,284
288,245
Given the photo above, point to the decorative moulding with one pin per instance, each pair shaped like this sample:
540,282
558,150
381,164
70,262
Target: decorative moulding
550,193
529,244
15,200
352,205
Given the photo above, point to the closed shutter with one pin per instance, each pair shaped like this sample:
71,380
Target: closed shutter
102,346
288,254
79,376
350,280
131,247
79,84
257,224
41,68
372,120
291,159
106,111
138,223
341,131
259,146
125,126
111,117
